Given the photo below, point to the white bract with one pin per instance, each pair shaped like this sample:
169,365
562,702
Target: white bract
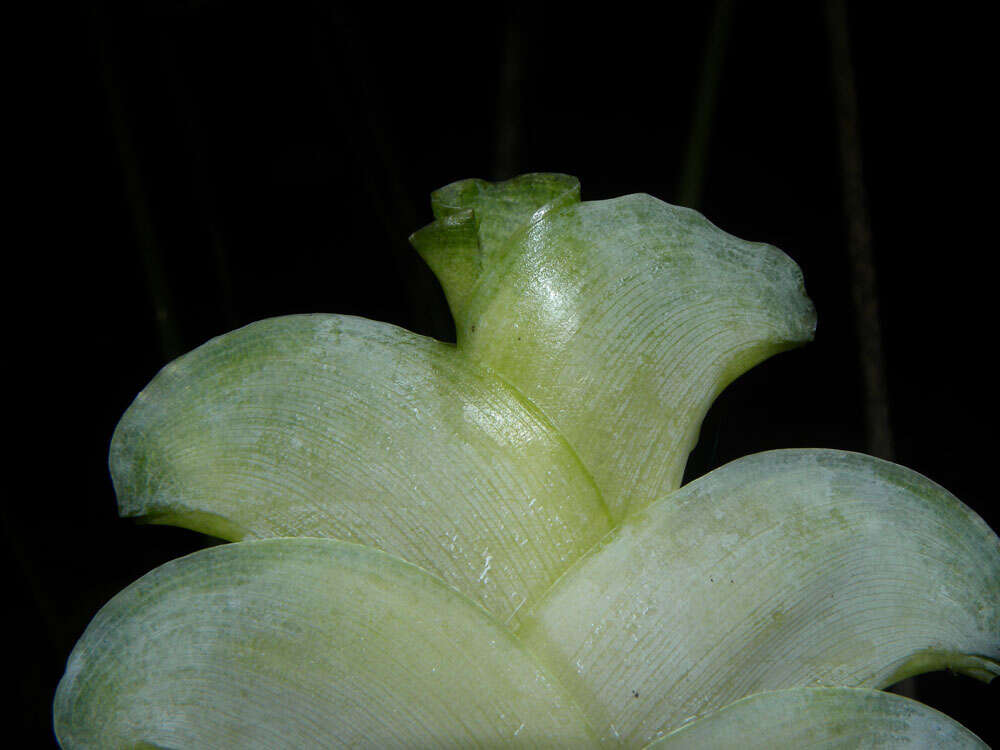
487,543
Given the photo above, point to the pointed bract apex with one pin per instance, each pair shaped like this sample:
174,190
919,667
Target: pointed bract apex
476,221
450,246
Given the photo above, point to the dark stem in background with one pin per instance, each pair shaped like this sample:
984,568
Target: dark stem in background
203,178
145,234
692,182
859,236
389,195
689,191
878,432
509,99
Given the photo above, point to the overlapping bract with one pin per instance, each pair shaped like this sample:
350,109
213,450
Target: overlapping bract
304,643
830,718
531,469
325,425
782,569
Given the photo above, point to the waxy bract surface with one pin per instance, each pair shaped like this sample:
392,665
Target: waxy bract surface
484,543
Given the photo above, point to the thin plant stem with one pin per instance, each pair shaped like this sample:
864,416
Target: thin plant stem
378,164
203,178
864,292
692,182
859,237
509,100
145,234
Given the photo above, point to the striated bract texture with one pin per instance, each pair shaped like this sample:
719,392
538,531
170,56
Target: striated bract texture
487,543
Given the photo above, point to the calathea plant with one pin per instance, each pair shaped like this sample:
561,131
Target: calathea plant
487,543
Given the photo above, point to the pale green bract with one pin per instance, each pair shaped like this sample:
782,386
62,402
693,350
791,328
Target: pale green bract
830,718
487,543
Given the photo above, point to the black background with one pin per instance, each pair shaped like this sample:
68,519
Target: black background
224,162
